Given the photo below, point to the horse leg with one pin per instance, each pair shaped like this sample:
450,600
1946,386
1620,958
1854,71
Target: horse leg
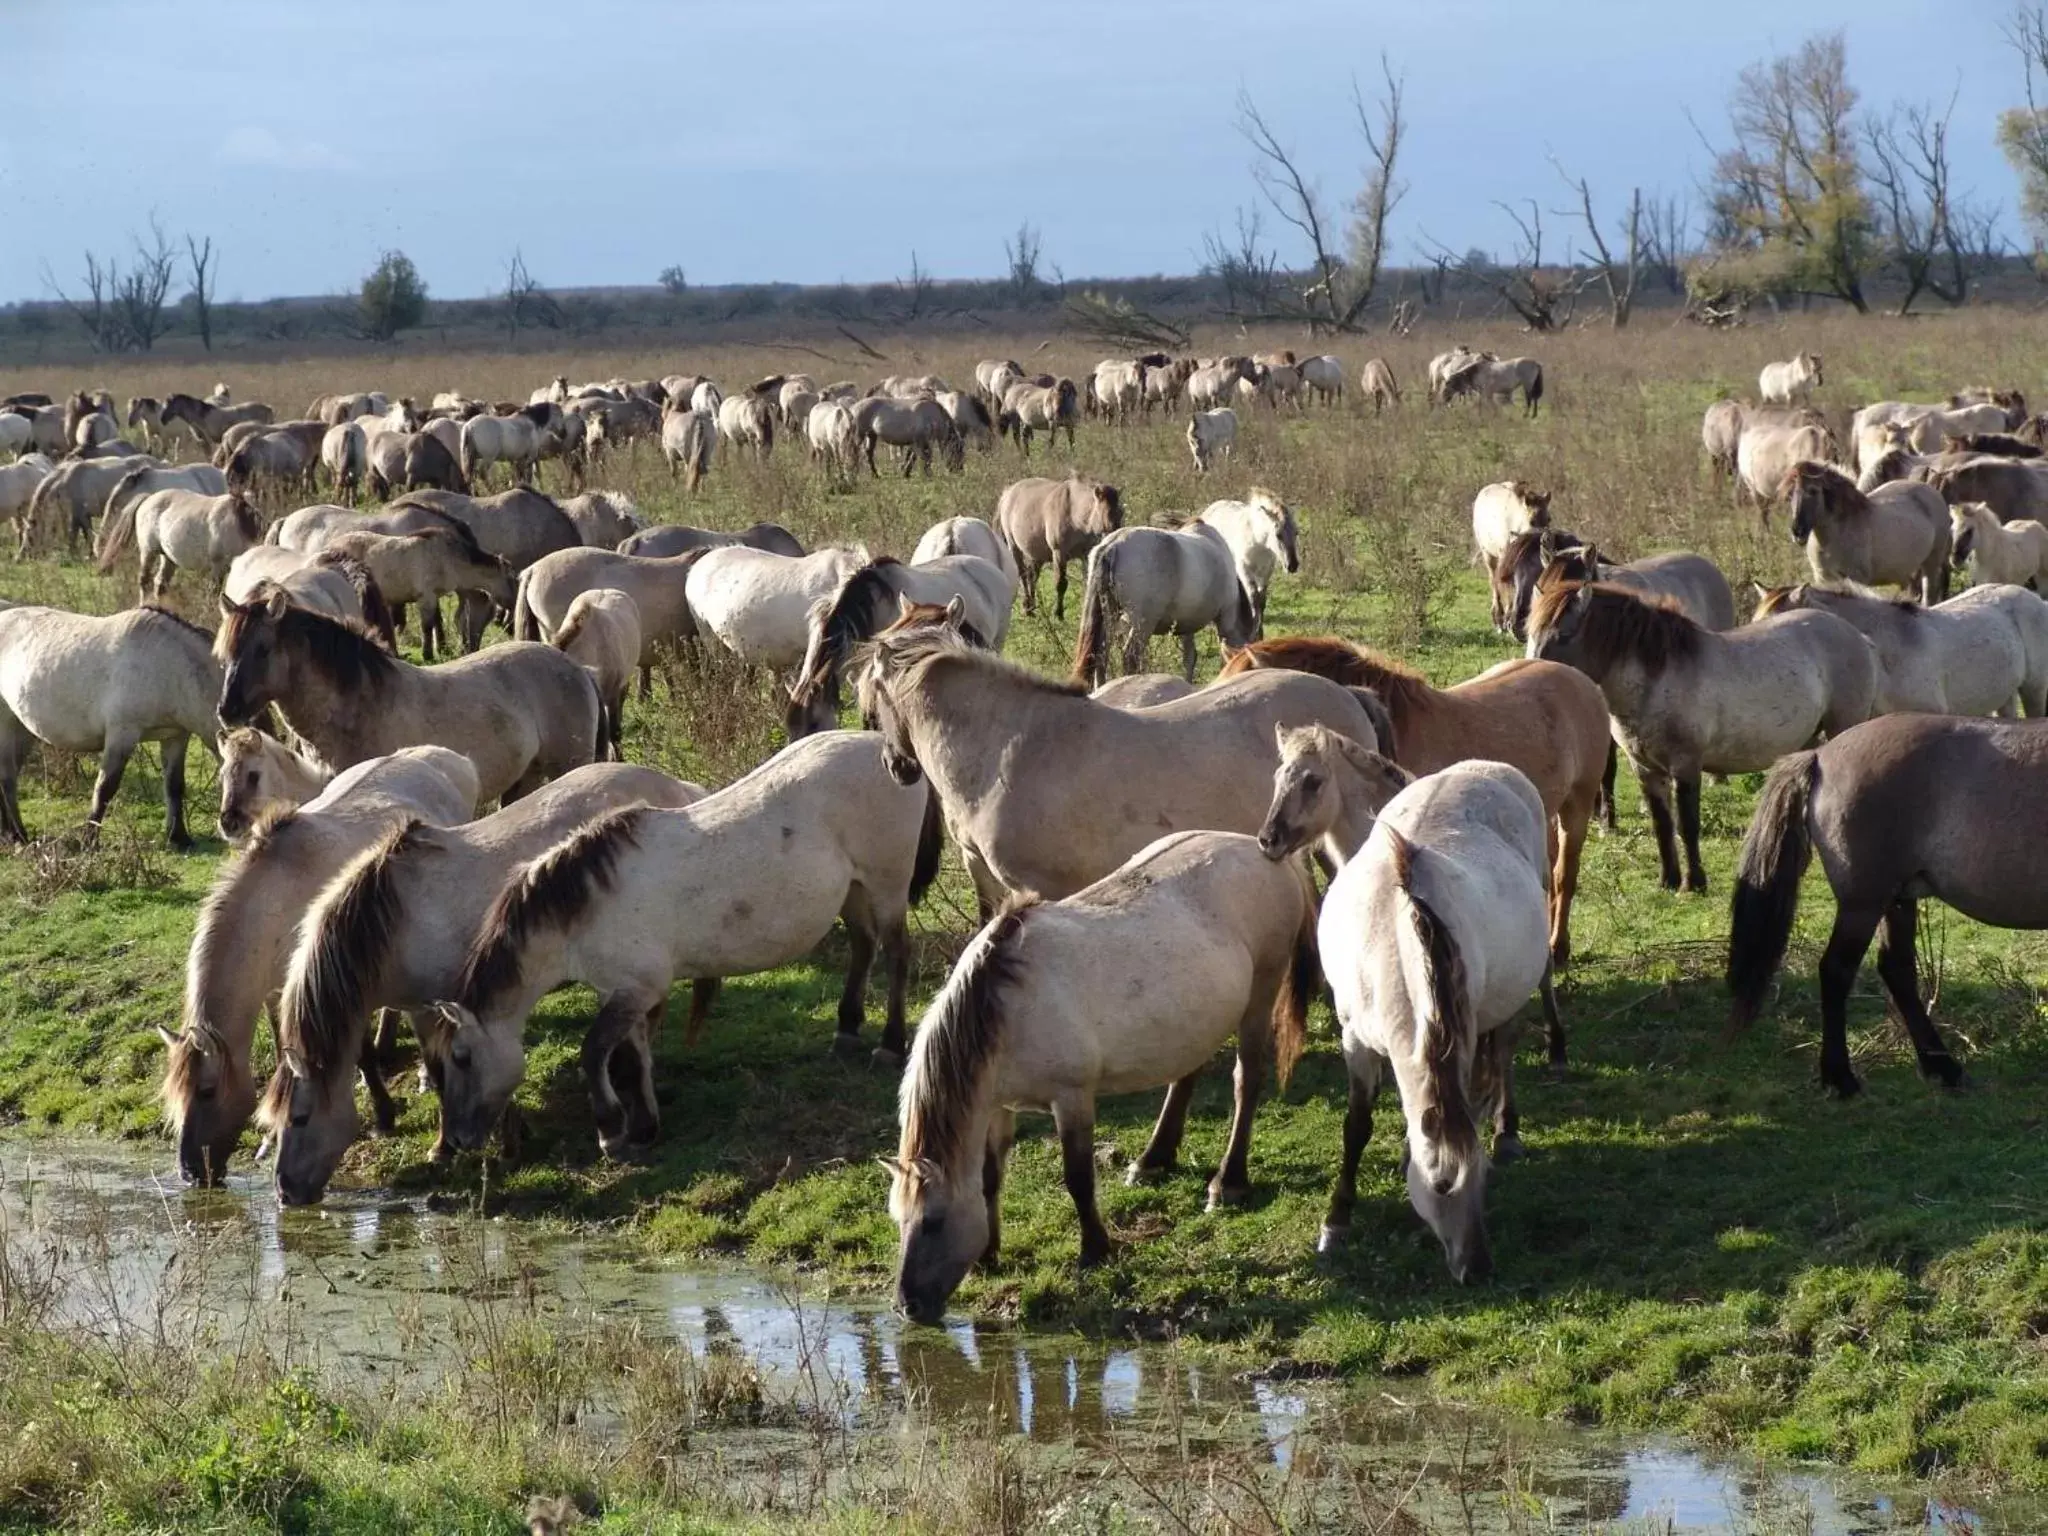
1852,933
385,1037
1074,1119
1233,1184
1362,1069
895,1047
1568,832
1689,828
1499,1049
383,1113
1187,657
113,763
1059,589
1162,1152
174,750
1028,587
1134,651
13,747
1657,796
1895,963
430,625
632,1069
703,993
1605,803
614,1024
995,1162
853,997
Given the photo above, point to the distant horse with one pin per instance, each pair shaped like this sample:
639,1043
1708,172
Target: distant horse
1897,535
1051,522
673,538
1129,984
1790,383
1691,583
1897,810
1496,379
915,426
181,530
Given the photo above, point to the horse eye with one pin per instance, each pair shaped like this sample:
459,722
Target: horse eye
934,1225
204,1091
1311,781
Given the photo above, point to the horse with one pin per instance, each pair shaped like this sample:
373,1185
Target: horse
1897,810
834,442
1127,985
1691,583
210,421
745,880
1141,690
967,536
261,777
1213,569
345,455
518,527
1896,535
1119,385
1790,383
912,425
2014,489
747,421
1687,701
1046,408
1767,451
236,963
2010,401
174,530
758,604
1211,433
674,538
1721,436
1548,721
602,631
875,596
18,482
1502,510
982,728
137,483
412,461
603,519
688,440
1982,653
521,713
515,440
326,582
1050,522
1992,551
971,418
656,585
82,486
1496,379
1432,939
419,567
391,929
1376,383
83,684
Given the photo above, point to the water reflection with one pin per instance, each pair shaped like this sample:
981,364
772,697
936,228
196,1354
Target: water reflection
372,1283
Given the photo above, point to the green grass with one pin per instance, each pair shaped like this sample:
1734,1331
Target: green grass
1700,1242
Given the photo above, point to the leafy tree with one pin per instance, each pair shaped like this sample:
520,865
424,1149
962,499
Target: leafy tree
393,297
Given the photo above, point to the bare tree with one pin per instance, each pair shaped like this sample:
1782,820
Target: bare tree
1022,252
1908,170
1620,281
2023,131
526,302
917,289
141,291
199,262
1667,224
94,310
1545,297
1247,269
1341,282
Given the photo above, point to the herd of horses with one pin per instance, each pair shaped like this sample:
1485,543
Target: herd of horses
452,842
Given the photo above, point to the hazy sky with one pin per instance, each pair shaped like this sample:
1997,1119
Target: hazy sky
800,140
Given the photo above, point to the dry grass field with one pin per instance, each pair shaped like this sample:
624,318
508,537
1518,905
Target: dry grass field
1701,1242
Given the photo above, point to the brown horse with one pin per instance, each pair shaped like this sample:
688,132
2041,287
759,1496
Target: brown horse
1545,719
1897,809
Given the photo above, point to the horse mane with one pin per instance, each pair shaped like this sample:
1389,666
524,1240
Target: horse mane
345,937
1449,1020
1619,624
843,620
349,655
928,615
246,521
957,1041
917,651
156,611
1837,490
551,892
1401,688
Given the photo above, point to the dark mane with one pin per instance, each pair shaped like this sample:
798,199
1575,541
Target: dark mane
1618,624
157,612
552,892
346,935
1836,490
250,526
1449,1021
454,526
957,1041
857,612
1403,690
350,656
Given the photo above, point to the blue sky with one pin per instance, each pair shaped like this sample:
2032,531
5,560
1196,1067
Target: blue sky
814,142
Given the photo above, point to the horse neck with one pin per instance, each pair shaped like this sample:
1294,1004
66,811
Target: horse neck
229,974
304,777
1356,813
323,718
964,766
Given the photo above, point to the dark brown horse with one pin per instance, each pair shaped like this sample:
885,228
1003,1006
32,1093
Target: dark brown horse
1896,808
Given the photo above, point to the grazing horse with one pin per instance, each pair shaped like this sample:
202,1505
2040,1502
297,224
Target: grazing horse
345,455
1377,384
419,567
1547,720
1210,434
1898,811
833,440
83,684
1692,584
1432,940
1992,551
1213,569
522,713
758,605
209,421
181,530
912,425
1897,535
1496,379
655,584
966,536
1983,653
1051,522
1790,383
1127,985
1687,701
391,929
82,486
1501,512
602,631
1046,408
236,963
515,440
1768,449
2014,489
1046,790
747,421
876,596
746,880
603,519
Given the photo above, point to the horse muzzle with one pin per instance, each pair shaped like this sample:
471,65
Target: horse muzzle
904,769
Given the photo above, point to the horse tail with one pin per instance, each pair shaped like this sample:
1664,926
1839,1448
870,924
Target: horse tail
1447,1030
116,536
1298,988
931,842
525,626
1532,392
377,612
468,459
1775,852
1091,650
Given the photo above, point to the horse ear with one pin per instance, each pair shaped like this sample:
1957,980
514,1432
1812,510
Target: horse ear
170,1040
295,1062
276,604
893,1168
1591,555
227,609
956,610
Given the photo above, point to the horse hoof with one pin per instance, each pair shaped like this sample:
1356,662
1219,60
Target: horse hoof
1949,1073
1509,1149
1560,954
846,1046
1332,1239
1222,1196
884,1057
1140,1175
